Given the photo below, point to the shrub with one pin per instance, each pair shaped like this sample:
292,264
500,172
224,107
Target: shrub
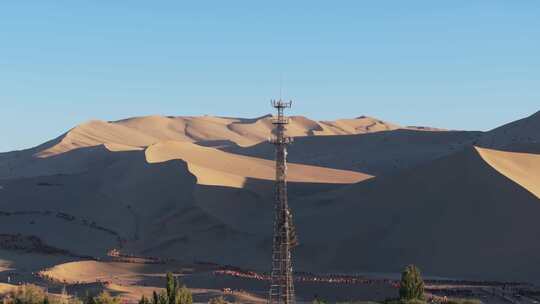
29,294
184,296
106,298
144,300
217,300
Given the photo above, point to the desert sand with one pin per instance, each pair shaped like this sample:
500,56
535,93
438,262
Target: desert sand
457,209
217,168
522,168
6,288
144,131
367,196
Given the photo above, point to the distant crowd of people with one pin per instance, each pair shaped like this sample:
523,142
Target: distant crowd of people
357,279
307,277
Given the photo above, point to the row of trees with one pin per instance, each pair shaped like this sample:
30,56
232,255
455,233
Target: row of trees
411,291
174,293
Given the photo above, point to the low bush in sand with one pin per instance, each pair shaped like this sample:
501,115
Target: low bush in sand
33,294
104,298
217,300
28,294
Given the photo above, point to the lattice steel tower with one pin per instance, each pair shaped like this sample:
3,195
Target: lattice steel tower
282,286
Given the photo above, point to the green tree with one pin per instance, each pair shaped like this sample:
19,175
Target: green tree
173,293
412,285
172,288
46,300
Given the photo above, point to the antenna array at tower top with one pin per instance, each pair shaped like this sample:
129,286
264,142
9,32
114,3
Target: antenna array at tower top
280,104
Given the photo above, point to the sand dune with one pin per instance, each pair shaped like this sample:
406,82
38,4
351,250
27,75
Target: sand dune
521,131
86,145
131,281
160,186
522,168
360,125
214,167
145,131
173,197
455,217
93,271
73,151
6,288
376,154
95,133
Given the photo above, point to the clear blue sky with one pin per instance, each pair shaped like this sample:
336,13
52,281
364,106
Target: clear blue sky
465,64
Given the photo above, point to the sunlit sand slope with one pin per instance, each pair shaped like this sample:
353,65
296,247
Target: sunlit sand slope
208,130
522,168
93,271
214,167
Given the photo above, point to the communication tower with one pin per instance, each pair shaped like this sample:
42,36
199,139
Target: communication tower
282,285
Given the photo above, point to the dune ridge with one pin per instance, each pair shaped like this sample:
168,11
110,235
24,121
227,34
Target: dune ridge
140,132
215,167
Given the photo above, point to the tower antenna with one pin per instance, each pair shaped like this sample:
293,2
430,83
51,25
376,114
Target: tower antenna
280,85
284,239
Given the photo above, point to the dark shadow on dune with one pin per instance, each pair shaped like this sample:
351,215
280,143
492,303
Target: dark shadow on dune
247,121
217,143
116,190
379,153
455,217
72,162
523,147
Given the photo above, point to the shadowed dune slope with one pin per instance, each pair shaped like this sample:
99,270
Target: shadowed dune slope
456,216
108,204
523,131
377,153
174,197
